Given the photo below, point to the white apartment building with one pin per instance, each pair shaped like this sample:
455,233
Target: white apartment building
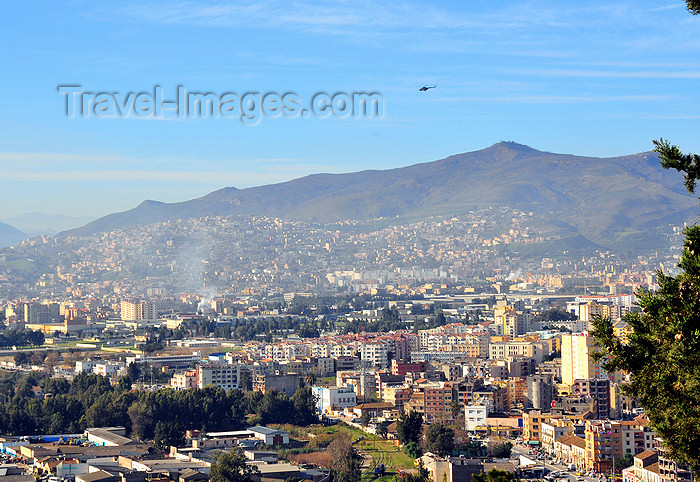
108,369
375,354
183,381
531,349
475,416
334,398
227,377
132,310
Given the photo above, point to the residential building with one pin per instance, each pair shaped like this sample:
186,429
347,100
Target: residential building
185,380
599,390
221,375
576,359
475,416
132,310
334,398
398,395
672,471
645,468
438,403
530,349
539,392
287,384
603,443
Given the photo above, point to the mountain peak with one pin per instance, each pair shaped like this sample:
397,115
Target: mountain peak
150,202
512,146
505,174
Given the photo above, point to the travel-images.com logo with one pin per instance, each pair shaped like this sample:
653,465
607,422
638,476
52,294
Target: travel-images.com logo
249,108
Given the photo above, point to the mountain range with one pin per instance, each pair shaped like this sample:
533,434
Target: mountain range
616,202
34,224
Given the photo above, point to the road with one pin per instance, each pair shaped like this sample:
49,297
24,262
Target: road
570,475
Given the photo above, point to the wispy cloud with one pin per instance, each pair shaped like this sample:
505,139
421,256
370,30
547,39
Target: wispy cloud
515,29
646,74
345,17
555,99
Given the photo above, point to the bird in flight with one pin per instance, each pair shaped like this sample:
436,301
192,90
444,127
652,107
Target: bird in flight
426,87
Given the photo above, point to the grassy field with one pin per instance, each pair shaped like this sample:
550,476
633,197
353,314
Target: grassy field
381,450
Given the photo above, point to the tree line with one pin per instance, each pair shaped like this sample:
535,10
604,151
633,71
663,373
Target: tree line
21,338
160,416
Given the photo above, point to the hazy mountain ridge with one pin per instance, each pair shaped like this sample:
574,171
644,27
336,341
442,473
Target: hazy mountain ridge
605,199
9,235
34,224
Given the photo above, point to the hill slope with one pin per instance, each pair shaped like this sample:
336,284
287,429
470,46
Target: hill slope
604,199
10,235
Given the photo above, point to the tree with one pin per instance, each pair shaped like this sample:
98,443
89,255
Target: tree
693,6
311,379
133,371
554,314
473,448
623,462
304,407
662,354
365,419
439,439
346,467
246,381
502,450
232,467
382,429
275,407
456,408
494,475
124,383
167,434
21,358
413,449
409,426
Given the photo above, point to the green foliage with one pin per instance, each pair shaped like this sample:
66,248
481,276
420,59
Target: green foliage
21,358
167,433
382,429
671,157
693,6
472,448
439,439
623,462
502,450
413,449
346,464
91,401
275,407
365,419
409,427
494,475
232,467
21,338
554,314
304,403
662,355
389,320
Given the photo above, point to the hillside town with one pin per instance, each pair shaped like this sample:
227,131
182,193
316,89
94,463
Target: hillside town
269,257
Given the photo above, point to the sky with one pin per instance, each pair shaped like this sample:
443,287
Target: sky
597,78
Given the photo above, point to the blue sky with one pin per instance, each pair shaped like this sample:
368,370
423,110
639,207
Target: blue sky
600,78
